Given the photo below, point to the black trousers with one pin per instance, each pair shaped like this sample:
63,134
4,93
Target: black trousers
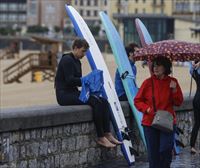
196,126
101,113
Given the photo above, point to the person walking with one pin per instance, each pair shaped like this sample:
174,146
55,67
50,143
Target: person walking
167,94
195,72
69,78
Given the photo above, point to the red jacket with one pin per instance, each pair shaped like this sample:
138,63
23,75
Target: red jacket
164,97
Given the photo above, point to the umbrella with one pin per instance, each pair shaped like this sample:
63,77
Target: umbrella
173,49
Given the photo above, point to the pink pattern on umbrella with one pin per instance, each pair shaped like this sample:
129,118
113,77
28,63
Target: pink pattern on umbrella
173,49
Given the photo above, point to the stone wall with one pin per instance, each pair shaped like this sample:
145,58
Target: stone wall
64,137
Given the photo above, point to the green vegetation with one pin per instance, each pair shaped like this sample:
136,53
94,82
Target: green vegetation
37,29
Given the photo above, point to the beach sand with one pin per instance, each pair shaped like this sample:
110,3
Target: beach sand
28,94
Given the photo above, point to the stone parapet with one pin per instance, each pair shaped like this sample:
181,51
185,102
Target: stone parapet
64,137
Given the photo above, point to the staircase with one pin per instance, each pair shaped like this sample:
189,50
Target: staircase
29,63
6,54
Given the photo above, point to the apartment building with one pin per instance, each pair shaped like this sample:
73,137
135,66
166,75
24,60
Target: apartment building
47,13
89,9
188,9
156,15
13,13
141,6
18,13
187,16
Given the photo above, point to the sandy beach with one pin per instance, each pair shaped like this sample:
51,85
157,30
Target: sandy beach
27,94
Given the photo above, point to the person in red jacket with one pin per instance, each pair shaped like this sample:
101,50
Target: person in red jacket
167,94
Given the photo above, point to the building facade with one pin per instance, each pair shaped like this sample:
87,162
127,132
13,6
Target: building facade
13,13
18,13
89,9
186,8
47,13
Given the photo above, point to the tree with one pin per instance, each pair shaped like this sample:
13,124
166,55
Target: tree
37,29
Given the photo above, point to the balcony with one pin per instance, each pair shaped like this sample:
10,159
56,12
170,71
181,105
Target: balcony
158,5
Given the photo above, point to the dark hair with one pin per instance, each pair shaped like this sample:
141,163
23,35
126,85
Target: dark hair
131,48
164,61
79,43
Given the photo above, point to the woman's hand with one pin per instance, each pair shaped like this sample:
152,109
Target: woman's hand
173,86
148,110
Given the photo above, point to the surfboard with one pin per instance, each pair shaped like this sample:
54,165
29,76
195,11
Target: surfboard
96,61
124,68
144,35
146,39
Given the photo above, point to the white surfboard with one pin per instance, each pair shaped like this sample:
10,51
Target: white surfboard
96,61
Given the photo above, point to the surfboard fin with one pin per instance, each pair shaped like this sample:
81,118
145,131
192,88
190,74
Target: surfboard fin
125,136
133,151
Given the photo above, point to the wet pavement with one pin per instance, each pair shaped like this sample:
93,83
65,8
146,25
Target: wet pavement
183,160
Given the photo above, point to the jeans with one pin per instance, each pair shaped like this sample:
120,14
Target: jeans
159,147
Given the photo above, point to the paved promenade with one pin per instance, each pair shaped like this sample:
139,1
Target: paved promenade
184,160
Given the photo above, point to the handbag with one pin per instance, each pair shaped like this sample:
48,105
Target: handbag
163,120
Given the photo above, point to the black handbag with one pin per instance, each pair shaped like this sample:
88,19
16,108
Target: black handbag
163,120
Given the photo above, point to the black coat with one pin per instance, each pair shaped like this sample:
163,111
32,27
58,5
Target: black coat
196,100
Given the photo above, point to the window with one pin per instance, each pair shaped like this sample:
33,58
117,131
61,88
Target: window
22,17
136,10
33,9
144,1
143,10
50,8
81,2
3,17
12,7
196,7
88,13
95,13
22,7
12,17
136,1
95,2
76,2
105,2
88,2
3,7
81,12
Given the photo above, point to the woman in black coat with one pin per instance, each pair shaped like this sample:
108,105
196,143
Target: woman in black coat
195,72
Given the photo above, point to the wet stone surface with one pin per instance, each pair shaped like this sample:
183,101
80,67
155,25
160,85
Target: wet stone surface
183,160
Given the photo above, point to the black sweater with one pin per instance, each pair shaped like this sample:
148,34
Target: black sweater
69,73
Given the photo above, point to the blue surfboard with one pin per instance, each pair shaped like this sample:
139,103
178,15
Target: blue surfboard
124,68
96,61
146,39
